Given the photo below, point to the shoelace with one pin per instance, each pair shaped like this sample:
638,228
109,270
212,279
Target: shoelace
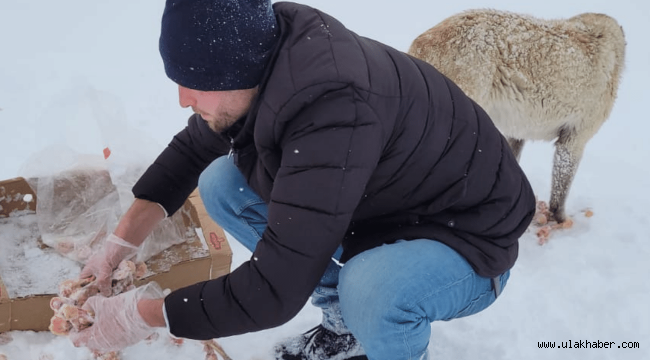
311,347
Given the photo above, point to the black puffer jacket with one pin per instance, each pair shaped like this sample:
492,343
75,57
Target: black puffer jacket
353,142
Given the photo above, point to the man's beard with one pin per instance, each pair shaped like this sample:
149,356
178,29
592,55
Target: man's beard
220,125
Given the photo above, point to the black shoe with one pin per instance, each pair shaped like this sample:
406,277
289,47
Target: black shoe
320,344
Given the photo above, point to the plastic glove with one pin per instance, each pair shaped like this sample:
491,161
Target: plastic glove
117,321
102,264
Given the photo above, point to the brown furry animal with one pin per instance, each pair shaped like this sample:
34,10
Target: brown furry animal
537,79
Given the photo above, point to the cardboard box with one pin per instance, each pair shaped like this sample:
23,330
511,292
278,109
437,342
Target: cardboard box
204,256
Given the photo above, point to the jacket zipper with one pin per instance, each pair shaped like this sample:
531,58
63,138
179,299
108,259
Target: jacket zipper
232,148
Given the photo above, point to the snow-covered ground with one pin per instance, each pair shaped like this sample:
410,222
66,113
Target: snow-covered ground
70,68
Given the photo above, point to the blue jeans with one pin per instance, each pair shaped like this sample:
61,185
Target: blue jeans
388,295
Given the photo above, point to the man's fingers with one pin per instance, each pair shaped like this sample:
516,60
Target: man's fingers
80,338
104,281
86,272
104,286
91,304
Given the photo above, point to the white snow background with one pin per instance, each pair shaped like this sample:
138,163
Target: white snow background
68,68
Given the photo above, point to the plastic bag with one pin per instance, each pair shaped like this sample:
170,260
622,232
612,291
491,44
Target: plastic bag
76,209
170,231
81,197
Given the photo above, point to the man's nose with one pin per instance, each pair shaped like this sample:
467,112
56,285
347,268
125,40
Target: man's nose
185,97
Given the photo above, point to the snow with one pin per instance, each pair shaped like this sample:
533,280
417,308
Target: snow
88,75
18,252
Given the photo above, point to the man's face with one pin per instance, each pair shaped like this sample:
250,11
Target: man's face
219,109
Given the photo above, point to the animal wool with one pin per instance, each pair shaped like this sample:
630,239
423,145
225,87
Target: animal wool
537,79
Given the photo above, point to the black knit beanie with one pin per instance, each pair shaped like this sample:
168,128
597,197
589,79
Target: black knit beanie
217,44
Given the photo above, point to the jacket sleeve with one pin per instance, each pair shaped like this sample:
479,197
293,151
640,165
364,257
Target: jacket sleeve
175,173
329,151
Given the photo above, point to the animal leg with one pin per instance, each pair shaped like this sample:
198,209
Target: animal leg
516,145
568,153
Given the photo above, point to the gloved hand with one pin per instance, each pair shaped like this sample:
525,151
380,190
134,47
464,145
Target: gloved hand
117,321
102,264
